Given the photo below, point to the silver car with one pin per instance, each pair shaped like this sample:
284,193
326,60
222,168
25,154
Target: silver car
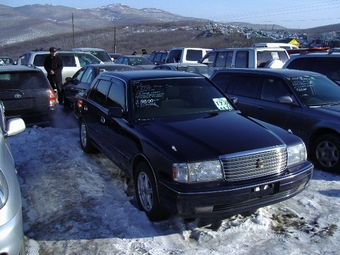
11,224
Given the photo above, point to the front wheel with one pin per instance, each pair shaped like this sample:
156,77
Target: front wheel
147,193
326,152
85,140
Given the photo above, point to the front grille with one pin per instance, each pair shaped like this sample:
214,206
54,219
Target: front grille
254,164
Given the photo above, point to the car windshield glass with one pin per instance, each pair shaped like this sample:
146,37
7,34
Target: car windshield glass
22,80
169,97
316,90
102,55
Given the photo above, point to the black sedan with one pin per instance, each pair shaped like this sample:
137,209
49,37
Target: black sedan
305,102
82,79
188,150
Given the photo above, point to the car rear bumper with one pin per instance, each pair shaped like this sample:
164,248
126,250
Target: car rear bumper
12,235
232,200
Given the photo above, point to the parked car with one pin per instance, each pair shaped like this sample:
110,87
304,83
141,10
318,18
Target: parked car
307,103
72,60
7,60
188,150
191,68
252,57
114,56
11,222
186,55
102,54
158,56
325,63
83,78
286,46
26,93
135,60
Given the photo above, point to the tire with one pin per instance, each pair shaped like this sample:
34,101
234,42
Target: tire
147,193
66,104
85,140
326,152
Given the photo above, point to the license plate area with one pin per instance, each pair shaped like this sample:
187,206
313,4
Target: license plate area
264,190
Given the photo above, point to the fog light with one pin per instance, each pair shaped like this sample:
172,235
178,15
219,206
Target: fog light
206,209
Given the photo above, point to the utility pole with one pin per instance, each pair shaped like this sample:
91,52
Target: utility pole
114,40
73,31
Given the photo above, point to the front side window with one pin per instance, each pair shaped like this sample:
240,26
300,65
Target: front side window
273,88
246,86
116,96
99,92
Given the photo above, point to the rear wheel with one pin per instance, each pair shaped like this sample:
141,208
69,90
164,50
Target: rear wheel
147,193
85,140
326,152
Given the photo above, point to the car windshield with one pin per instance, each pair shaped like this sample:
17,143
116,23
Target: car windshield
316,90
176,97
22,80
140,61
102,55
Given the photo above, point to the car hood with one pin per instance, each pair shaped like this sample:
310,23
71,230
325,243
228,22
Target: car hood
215,135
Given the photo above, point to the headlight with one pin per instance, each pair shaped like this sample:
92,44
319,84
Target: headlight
296,154
197,172
3,190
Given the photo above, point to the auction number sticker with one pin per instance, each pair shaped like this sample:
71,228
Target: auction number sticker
222,103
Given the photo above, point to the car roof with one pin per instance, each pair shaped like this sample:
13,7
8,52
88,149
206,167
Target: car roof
318,54
18,68
252,48
183,64
87,48
149,74
267,71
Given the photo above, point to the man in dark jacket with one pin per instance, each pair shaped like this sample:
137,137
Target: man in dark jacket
54,65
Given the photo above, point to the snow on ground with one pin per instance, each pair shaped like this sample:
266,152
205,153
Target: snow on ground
75,203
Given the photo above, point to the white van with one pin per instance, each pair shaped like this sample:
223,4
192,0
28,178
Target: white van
287,46
186,55
251,57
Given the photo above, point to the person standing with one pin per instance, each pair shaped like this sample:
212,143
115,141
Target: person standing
54,65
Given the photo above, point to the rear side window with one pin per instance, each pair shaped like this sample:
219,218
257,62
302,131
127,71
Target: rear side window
301,63
194,55
39,59
328,66
241,59
224,59
23,80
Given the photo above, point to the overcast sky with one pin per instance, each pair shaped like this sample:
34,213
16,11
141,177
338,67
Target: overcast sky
291,13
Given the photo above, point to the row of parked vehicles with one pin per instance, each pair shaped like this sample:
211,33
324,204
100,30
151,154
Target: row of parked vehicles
241,137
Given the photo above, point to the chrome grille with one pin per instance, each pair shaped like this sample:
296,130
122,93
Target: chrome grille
254,164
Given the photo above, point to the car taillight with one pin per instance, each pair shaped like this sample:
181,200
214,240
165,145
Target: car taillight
53,98
80,103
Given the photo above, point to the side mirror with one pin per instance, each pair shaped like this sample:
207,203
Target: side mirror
116,112
285,100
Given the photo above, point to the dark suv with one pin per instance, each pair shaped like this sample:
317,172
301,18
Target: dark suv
26,93
158,56
325,63
188,150
307,103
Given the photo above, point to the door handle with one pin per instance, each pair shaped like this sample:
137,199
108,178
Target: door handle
102,119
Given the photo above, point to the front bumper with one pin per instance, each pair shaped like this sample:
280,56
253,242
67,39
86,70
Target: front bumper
12,235
234,199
